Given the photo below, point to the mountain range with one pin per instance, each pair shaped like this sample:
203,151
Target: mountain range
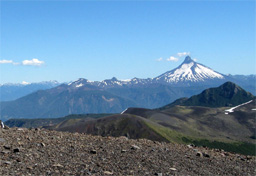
188,74
113,95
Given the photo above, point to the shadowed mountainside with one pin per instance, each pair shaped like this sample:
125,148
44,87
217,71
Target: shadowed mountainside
228,94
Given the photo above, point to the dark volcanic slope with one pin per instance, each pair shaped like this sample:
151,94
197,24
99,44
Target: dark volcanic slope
205,122
228,94
42,152
128,125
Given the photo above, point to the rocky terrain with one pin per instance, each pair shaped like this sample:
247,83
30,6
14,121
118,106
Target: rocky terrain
43,152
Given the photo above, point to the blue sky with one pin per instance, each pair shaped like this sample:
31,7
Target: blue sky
63,41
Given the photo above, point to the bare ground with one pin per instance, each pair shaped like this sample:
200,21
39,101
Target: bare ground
43,152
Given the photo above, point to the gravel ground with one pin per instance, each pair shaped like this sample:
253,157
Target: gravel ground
42,152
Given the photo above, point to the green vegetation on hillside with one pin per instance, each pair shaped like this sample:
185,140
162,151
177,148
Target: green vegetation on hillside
167,133
236,147
244,148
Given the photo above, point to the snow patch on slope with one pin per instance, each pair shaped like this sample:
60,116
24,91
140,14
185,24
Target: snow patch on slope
108,100
79,85
123,111
233,108
204,71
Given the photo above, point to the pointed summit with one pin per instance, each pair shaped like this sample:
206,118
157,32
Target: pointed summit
228,94
114,79
188,60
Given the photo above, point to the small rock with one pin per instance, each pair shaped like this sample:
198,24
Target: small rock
42,144
2,140
93,151
189,146
20,143
159,174
248,157
108,173
7,163
195,150
242,159
199,154
173,169
16,150
226,154
7,147
29,167
206,155
135,147
5,151
123,151
18,160
57,165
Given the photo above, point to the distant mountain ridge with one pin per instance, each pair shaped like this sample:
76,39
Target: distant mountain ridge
10,91
189,73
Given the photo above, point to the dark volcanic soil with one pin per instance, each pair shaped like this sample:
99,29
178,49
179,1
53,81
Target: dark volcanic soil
43,152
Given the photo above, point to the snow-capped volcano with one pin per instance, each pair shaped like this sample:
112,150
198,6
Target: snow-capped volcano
189,71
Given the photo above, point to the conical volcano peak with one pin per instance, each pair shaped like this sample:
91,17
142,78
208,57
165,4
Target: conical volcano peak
190,71
188,60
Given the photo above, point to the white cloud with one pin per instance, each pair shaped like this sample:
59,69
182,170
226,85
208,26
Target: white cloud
33,62
160,59
25,83
195,59
183,54
172,58
6,62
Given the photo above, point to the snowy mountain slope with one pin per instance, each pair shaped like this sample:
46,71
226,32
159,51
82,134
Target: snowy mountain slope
110,83
189,71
